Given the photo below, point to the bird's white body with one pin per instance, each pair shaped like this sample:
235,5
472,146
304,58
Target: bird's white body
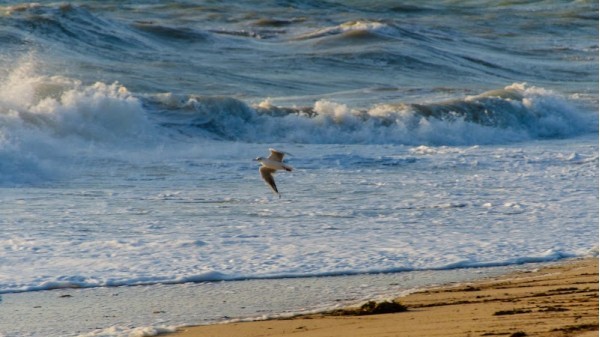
275,165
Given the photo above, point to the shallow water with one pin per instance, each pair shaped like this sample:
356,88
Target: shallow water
148,310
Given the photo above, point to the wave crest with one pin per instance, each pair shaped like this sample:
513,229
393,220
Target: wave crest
514,113
354,29
45,120
64,107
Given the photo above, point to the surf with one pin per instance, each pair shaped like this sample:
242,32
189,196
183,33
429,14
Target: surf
517,112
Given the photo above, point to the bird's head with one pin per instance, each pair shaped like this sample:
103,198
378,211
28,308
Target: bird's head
258,158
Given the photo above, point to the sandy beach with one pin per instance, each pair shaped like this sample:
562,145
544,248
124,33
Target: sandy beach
556,300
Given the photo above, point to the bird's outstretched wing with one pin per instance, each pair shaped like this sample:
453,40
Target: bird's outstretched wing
267,174
276,155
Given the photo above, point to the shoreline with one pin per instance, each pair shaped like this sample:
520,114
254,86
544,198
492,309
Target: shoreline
161,308
560,299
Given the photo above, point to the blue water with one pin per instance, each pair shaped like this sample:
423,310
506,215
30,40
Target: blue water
425,137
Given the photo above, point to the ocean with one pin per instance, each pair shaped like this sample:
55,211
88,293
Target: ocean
432,142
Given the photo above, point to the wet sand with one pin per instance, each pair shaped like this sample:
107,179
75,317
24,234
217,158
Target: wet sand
556,301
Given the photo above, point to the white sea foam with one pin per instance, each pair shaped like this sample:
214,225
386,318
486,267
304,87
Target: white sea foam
515,113
171,220
64,107
49,122
130,332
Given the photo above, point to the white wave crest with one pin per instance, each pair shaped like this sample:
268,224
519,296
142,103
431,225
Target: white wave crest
64,107
45,119
515,113
359,26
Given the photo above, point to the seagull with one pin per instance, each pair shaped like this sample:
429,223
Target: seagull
271,164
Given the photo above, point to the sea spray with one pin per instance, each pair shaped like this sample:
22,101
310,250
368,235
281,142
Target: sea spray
49,121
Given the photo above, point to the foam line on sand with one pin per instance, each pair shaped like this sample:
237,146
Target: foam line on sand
556,300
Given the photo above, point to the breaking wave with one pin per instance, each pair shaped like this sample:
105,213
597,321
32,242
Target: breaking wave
45,119
58,108
515,113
